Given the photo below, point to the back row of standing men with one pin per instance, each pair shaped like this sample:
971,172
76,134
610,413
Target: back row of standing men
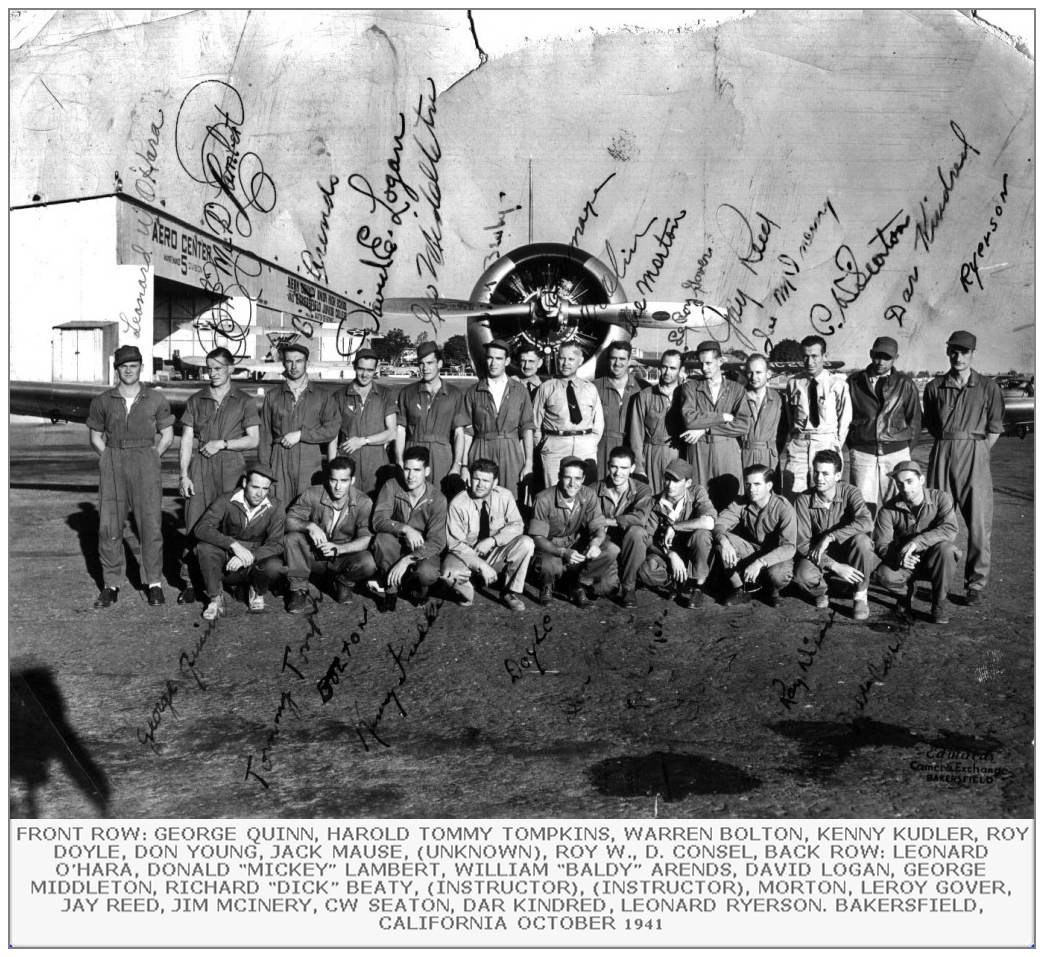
717,426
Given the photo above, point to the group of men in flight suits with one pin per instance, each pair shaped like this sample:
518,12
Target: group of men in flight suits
585,488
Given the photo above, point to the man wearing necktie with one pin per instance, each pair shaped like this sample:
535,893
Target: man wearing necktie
886,422
484,536
819,410
568,417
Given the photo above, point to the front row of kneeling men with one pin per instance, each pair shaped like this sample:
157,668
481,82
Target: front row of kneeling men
583,540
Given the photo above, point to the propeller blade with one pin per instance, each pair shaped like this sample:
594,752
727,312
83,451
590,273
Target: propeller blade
454,308
655,315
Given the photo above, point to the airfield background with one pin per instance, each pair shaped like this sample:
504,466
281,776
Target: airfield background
759,164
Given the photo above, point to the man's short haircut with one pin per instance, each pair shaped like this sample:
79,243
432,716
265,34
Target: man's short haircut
622,451
223,354
810,341
672,354
828,455
340,463
486,465
572,463
571,345
528,347
622,345
757,469
416,453
758,356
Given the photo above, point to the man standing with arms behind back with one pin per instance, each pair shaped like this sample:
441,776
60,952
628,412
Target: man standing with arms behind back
568,417
818,409
297,420
964,412
130,428
886,422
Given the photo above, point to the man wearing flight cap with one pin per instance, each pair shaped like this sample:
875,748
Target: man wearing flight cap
500,414
367,424
429,413
297,420
964,412
131,426
886,422
915,537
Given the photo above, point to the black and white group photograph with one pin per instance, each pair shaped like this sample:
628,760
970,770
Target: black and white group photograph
424,414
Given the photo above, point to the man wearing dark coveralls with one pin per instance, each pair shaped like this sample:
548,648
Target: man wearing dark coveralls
409,524
964,412
616,392
626,503
224,421
680,525
500,413
569,533
766,428
833,535
656,423
130,427
429,412
886,422
240,539
367,424
714,410
297,420
328,534
755,538
915,536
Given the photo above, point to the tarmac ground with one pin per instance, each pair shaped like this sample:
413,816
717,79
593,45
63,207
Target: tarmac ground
441,711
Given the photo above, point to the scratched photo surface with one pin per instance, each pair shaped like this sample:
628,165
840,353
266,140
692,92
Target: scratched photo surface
845,173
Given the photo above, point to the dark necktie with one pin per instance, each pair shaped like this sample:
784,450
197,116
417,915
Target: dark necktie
484,521
532,392
813,404
574,407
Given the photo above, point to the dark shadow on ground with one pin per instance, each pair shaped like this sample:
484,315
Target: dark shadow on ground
671,776
40,734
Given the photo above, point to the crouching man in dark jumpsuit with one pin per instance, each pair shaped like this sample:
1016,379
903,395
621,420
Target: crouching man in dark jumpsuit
328,534
755,538
680,524
568,532
240,539
131,426
915,537
833,535
626,503
409,524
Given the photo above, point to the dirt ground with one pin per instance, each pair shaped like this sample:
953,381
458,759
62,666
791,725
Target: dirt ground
450,712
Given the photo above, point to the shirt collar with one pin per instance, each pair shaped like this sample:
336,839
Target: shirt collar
239,497
605,487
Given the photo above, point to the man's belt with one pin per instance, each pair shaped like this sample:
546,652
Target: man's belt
569,432
711,439
496,435
128,443
430,439
755,444
963,435
807,435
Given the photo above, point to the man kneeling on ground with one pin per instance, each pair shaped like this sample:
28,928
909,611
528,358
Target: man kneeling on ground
680,527
915,537
409,524
568,530
328,534
626,503
833,535
484,537
755,538
240,539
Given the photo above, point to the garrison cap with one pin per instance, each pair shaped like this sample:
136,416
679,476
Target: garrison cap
709,345
887,345
426,349
285,347
679,469
907,466
365,354
498,344
962,339
126,354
